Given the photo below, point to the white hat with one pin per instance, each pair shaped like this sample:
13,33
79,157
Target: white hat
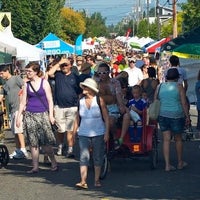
90,83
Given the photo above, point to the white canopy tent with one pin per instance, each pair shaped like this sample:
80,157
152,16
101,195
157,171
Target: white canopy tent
5,48
24,50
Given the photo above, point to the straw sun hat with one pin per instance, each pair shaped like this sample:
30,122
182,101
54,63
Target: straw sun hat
90,83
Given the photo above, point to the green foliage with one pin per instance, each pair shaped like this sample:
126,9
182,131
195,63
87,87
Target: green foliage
143,28
191,14
167,30
32,20
96,26
73,24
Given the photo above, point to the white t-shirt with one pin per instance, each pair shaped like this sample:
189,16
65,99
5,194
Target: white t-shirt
134,75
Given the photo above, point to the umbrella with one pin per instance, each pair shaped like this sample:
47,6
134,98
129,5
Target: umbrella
191,50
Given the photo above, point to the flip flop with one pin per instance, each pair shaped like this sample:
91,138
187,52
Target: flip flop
97,184
82,185
184,165
171,169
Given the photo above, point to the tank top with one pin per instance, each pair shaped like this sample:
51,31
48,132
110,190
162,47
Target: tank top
169,96
34,104
91,120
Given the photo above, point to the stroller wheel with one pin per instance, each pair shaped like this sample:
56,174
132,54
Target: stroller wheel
4,156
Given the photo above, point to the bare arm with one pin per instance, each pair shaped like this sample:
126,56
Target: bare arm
22,104
106,118
48,92
184,102
56,67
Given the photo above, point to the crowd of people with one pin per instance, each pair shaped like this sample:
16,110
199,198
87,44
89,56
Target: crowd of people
88,96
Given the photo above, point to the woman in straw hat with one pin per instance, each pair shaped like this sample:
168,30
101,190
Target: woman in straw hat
93,121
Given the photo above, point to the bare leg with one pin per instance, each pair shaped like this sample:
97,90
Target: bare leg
83,172
179,148
125,125
70,139
97,171
35,158
60,141
166,148
21,140
49,151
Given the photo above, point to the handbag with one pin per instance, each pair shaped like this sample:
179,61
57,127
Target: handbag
54,127
154,108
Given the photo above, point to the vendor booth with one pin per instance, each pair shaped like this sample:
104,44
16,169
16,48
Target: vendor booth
53,45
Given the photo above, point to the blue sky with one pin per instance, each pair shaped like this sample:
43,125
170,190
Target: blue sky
113,10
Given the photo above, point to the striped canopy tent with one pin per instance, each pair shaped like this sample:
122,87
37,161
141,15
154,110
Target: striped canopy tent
186,45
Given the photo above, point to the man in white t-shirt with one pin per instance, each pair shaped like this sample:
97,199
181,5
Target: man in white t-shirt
135,75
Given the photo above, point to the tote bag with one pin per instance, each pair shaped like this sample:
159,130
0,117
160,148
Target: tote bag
154,108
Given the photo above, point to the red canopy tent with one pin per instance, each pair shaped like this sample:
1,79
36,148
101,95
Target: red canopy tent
152,48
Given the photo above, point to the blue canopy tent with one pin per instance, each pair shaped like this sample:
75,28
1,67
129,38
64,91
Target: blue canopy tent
53,45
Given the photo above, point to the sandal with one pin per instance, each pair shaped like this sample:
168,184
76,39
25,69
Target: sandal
82,185
32,171
55,168
97,184
171,169
118,143
184,165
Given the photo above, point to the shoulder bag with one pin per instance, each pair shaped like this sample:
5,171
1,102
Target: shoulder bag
154,108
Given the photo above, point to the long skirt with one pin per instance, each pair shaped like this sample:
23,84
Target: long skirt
37,129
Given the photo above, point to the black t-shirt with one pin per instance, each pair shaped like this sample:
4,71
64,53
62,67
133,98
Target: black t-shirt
66,89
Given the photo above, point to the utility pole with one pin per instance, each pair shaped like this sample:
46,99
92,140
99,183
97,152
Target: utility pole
158,17
174,19
148,16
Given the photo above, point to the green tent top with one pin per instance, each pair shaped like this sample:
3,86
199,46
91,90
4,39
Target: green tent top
5,58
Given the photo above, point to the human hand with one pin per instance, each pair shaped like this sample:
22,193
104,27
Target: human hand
52,119
106,137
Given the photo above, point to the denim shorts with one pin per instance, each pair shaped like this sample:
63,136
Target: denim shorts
175,125
98,147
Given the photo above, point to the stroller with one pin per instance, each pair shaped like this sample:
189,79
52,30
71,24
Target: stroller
4,154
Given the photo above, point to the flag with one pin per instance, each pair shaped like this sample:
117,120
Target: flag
78,45
128,33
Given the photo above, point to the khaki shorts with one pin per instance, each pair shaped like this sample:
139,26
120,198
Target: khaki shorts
65,118
14,128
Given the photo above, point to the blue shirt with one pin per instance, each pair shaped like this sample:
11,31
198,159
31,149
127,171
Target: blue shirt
66,89
169,96
140,104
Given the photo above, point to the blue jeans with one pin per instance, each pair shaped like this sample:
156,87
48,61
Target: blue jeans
97,144
175,125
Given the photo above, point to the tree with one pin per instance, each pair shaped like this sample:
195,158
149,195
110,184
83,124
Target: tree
96,26
191,14
32,20
167,30
73,24
143,28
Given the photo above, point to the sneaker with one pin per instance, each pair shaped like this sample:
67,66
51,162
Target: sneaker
70,155
25,154
59,152
14,153
20,155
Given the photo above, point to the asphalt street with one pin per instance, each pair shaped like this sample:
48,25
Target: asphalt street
126,179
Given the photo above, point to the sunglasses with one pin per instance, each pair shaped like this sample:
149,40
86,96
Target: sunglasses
102,72
131,61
